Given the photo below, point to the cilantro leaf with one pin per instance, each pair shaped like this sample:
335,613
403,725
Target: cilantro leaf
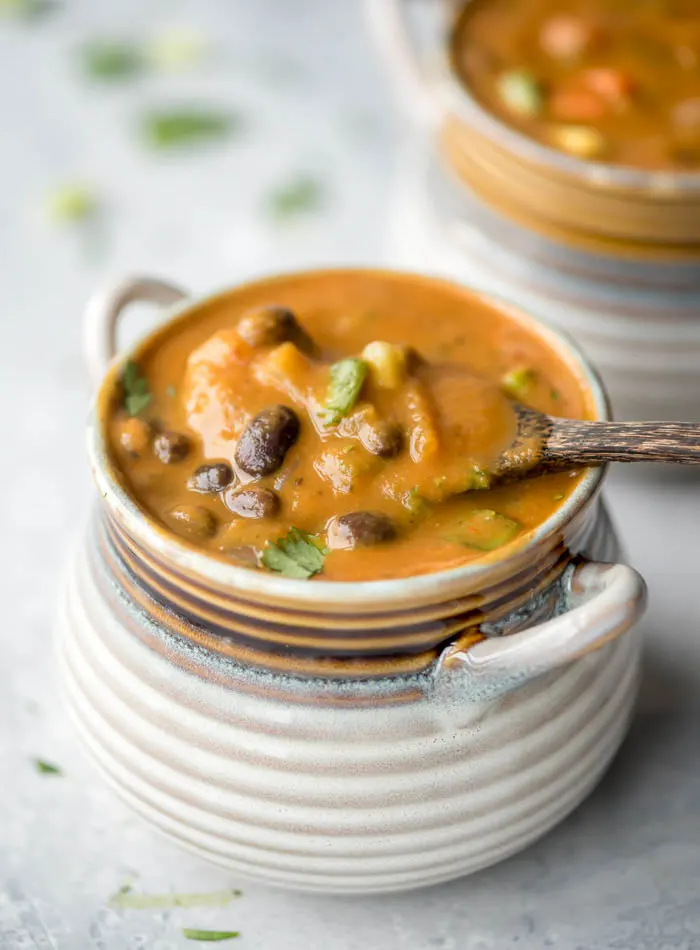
112,60
46,768
297,554
298,196
347,378
137,396
208,936
181,127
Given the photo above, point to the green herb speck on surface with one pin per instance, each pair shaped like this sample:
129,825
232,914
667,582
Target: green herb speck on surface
208,936
346,380
298,554
27,9
176,48
46,768
560,496
555,394
171,392
108,60
72,204
137,396
126,899
295,198
185,127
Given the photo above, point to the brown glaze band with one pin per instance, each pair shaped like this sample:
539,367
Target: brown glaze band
585,212
277,640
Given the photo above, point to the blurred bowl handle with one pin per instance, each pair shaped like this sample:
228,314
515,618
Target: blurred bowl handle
106,307
599,602
390,26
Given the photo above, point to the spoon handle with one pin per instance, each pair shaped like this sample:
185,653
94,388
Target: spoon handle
572,442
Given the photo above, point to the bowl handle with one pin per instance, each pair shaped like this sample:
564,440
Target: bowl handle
106,307
390,25
598,602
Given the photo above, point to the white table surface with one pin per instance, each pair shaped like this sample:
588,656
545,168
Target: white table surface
623,871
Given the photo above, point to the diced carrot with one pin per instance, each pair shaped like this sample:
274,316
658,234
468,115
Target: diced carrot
566,36
612,85
576,105
285,368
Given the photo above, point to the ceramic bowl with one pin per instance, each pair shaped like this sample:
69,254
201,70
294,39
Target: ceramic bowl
609,208
345,737
636,319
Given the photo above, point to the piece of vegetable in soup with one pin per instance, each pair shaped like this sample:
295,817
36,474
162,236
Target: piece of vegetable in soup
340,425
617,82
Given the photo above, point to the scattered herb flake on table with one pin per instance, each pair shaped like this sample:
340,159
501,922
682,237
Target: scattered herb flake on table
26,9
125,899
46,768
297,197
297,554
137,396
72,204
112,60
177,48
208,936
183,127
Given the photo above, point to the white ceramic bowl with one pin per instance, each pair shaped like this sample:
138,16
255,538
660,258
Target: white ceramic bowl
346,774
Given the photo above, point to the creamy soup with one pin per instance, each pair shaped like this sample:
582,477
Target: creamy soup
341,425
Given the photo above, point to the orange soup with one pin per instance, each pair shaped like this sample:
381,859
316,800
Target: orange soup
341,425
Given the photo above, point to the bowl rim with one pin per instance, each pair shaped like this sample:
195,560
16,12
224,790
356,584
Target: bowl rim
456,96
335,595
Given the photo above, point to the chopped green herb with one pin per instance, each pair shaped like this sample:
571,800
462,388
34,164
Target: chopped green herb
179,127
297,197
486,530
26,9
416,503
135,386
46,768
518,382
298,554
71,204
478,479
124,899
347,378
112,60
560,496
208,936
520,92
555,394
171,392
176,49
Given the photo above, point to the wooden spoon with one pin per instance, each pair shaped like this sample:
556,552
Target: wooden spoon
547,443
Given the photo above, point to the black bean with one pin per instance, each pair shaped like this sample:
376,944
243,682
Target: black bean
253,502
171,447
213,477
384,439
360,529
266,440
272,325
194,520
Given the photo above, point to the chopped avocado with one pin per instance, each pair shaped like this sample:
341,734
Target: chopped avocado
519,382
347,378
486,530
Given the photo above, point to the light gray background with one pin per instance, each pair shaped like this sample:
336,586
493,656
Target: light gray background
623,871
